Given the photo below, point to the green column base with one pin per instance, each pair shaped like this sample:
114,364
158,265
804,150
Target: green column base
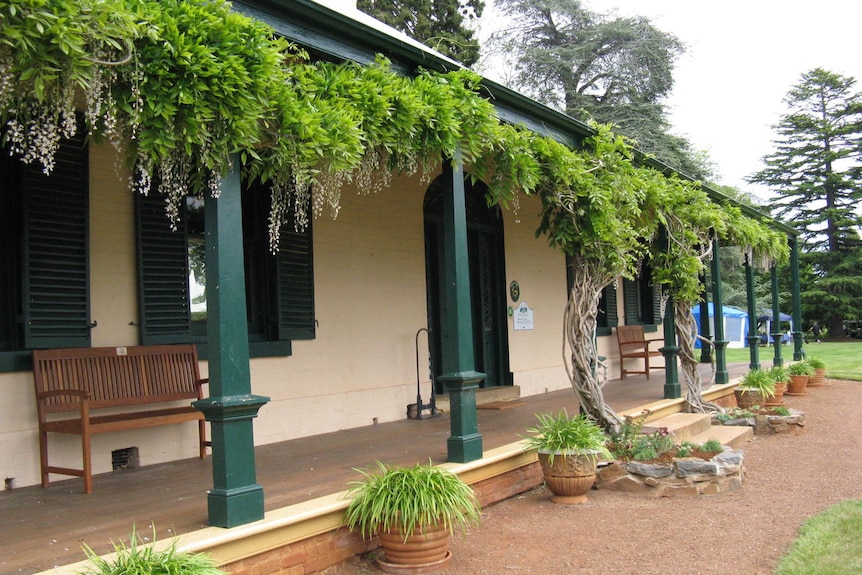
464,448
672,388
232,507
465,442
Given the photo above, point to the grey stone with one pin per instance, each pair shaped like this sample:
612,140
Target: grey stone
649,469
729,457
693,466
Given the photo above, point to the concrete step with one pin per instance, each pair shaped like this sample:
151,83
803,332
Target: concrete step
732,435
485,396
683,426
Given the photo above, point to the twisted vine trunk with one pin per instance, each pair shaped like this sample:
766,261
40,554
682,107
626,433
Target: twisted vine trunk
686,332
579,346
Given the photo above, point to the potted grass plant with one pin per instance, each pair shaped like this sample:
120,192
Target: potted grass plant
568,449
780,376
145,559
413,511
819,376
800,372
755,388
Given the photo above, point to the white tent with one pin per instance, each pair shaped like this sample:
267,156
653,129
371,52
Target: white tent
735,324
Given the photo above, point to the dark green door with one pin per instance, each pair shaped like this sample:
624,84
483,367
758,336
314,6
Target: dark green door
487,281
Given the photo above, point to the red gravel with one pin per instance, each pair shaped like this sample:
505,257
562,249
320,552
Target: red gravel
788,479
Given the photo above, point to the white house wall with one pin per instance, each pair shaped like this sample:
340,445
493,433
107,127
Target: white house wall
370,300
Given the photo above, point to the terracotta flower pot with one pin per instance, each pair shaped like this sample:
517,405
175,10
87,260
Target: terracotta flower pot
778,398
797,385
818,378
425,551
746,399
570,477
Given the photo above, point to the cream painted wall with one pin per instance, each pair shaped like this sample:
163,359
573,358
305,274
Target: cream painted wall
535,355
370,300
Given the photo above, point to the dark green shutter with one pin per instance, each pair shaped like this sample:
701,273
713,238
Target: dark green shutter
656,305
630,302
295,276
163,274
55,273
609,295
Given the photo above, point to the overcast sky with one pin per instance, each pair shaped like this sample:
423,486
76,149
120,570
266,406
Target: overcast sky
742,57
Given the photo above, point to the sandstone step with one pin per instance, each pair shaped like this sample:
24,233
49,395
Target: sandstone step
683,426
732,435
485,396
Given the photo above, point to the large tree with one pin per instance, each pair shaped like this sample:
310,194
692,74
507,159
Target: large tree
612,69
441,24
815,173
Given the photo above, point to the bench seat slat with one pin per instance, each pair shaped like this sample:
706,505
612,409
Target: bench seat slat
123,421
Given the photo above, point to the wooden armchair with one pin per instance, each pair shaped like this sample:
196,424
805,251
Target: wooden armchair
633,345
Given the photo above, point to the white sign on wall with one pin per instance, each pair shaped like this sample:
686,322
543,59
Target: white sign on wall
523,317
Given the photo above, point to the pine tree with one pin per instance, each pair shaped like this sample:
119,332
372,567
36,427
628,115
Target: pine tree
816,175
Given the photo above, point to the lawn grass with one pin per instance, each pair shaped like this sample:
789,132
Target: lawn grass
828,543
843,358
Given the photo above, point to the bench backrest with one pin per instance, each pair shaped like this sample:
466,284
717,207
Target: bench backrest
630,335
117,376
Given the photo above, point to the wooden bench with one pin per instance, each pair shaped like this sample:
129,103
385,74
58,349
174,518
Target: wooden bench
128,379
633,345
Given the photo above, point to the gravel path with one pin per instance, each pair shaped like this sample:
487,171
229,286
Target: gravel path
788,479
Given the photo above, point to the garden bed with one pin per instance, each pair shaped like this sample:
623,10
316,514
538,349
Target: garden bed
668,475
766,421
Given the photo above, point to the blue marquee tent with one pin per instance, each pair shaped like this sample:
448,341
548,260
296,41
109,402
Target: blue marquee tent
735,324
764,327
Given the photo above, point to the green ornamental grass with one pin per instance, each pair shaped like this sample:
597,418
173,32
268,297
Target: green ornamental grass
135,559
409,498
561,434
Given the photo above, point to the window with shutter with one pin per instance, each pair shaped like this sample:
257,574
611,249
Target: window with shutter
44,291
279,287
295,284
162,274
607,317
642,300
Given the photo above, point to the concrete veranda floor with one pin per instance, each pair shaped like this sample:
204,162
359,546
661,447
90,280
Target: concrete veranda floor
41,528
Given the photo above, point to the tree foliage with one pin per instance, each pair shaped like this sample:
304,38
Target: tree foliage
440,24
815,173
611,69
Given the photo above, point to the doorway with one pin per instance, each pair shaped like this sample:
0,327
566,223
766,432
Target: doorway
486,256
